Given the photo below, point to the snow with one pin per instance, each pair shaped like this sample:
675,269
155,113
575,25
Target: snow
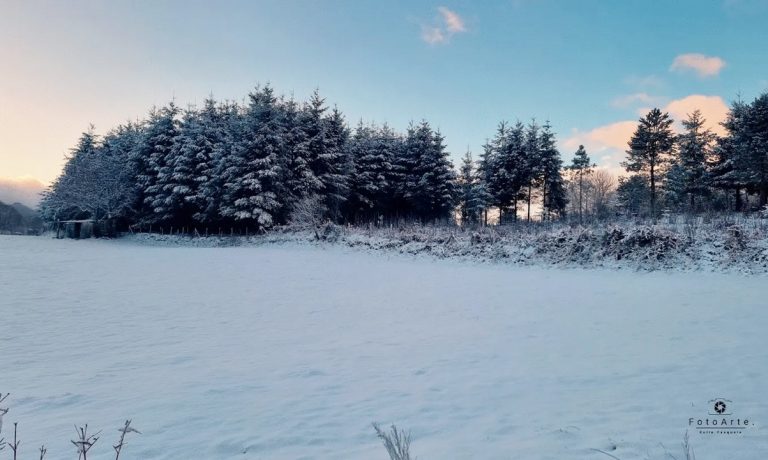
291,351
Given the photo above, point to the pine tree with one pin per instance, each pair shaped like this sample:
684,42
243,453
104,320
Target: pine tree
751,140
322,149
485,170
153,163
470,200
550,166
119,146
694,152
632,193
723,172
510,170
210,146
68,196
650,150
581,167
335,166
180,186
251,179
372,152
430,182
532,165
96,182
300,182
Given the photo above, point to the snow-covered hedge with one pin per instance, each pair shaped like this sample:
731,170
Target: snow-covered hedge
718,245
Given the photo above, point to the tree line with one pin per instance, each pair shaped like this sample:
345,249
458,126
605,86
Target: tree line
697,170
252,165
256,164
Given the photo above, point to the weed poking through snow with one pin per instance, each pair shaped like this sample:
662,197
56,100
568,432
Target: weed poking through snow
123,431
397,442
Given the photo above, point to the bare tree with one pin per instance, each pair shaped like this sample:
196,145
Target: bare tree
602,188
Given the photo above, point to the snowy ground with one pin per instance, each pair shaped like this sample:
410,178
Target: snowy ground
289,352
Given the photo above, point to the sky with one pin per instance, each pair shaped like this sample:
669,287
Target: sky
591,67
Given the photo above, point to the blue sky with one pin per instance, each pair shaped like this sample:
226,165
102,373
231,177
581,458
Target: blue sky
590,67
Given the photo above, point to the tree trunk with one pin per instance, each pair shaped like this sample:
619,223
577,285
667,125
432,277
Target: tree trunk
514,209
653,193
581,188
529,201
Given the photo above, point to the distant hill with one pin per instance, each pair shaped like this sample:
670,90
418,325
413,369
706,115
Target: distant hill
17,218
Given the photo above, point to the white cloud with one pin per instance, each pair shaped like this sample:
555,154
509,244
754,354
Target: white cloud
453,22
713,108
448,24
704,66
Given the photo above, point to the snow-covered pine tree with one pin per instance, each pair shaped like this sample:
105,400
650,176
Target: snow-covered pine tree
180,186
722,172
96,182
404,177
316,162
438,180
510,173
372,154
334,166
387,147
118,147
553,195
751,160
152,162
429,176
213,145
299,181
251,179
695,146
470,199
488,167
68,196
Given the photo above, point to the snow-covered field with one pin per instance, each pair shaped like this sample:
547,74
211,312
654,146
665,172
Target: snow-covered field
289,352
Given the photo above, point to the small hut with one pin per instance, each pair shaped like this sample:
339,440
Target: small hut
85,228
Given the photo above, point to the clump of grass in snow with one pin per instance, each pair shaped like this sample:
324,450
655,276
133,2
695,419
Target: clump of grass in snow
397,442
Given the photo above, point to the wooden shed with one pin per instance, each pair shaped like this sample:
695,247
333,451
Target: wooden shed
85,228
